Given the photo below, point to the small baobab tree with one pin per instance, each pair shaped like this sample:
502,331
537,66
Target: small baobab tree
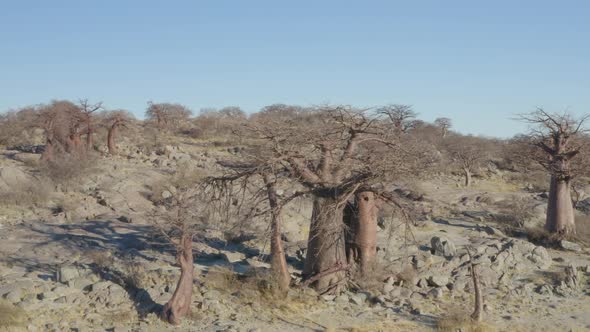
443,124
87,110
402,117
113,120
560,148
184,217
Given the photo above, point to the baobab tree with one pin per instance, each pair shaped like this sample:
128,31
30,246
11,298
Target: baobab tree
333,153
113,120
61,123
444,124
402,117
559,148
167,115
259,175
186,215
87,109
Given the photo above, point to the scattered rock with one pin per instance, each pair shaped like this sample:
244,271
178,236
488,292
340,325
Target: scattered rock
67,273
438,281
442,246
233,256
571,246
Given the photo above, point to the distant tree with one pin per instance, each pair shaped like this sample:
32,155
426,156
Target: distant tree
87,109
467,152
113,120
444,124
167,115
61,122
401,116
561,149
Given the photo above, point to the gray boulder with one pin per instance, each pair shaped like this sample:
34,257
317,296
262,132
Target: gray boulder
441,246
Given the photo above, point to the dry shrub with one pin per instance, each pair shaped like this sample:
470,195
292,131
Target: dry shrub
29,194
67,169
101,258
516,212
582,229
11,317
540,236
407,276
253,285
461,321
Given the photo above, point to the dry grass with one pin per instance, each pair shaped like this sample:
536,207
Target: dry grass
407,276
11,317
29,194
461,321
67,169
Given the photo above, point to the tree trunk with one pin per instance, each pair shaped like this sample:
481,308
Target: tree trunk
89,138
467,174
180,303
278,260
111,140
363,248
325,245
48,152
478,310
560,210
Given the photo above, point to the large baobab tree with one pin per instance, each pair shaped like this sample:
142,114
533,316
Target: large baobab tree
334,153
558,141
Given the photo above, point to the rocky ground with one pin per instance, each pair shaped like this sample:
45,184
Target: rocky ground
87,259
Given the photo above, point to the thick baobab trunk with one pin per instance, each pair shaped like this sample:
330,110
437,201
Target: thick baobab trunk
325,245
478,310
180,303
363,245
467,174
278,260
111,140
560,210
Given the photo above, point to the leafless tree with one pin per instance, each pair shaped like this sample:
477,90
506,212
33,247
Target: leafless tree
167,115
558,139
402,117
61,122
185,216
444,124
467,152
333,153
87,109
113,120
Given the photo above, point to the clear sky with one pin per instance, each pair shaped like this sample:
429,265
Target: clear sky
477,62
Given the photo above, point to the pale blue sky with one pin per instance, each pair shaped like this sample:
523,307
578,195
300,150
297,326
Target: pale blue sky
477,62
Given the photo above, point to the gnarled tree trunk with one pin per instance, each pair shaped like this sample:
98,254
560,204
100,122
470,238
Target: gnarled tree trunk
180,303
278,260
478,305
560,210
362,248
325,245
467,174
111,139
